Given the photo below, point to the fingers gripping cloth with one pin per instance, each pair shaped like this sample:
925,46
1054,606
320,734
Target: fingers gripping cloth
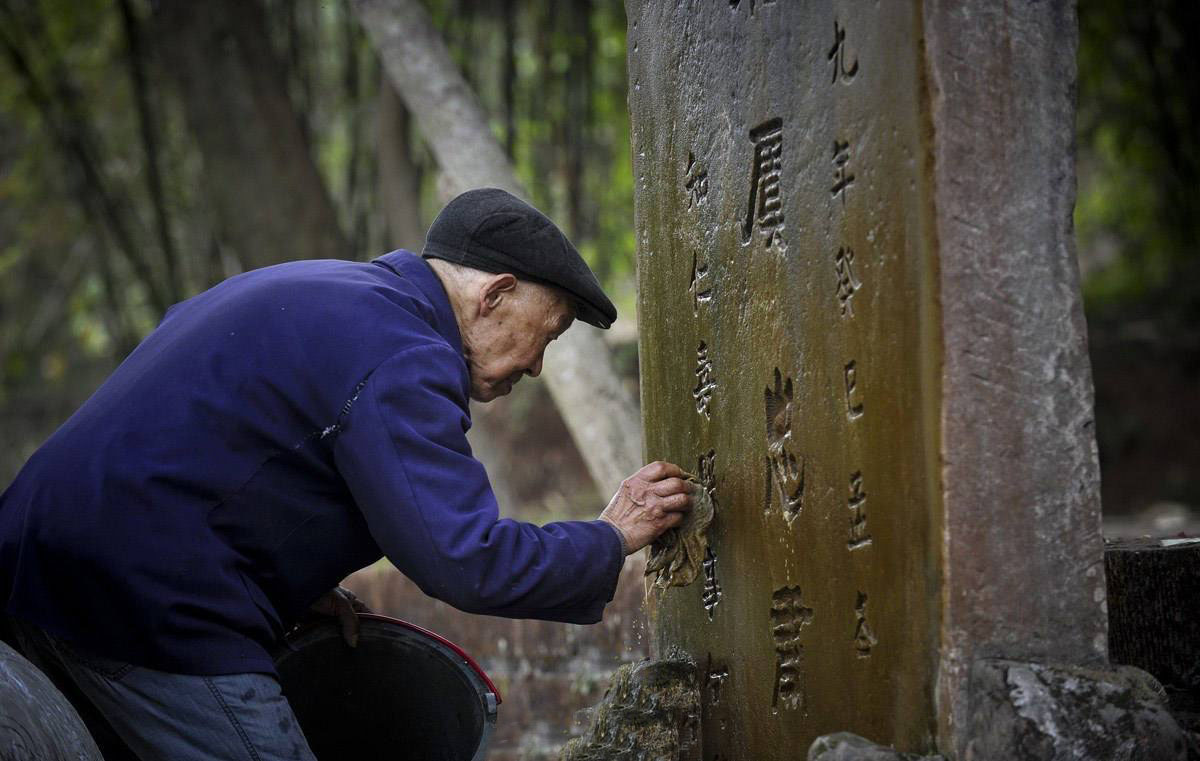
677,556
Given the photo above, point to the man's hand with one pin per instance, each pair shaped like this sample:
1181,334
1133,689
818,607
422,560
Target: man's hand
343,604
648,503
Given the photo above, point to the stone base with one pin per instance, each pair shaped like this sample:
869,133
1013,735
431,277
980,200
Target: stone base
1043,712
1049,712
650,713
1153,593
844,746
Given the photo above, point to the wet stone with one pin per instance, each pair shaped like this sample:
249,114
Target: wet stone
650,713
859,316
844,746
781,346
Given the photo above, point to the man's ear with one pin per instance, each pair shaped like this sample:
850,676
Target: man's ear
493,291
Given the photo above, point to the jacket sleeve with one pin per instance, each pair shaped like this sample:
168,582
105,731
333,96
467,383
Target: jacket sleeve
402,450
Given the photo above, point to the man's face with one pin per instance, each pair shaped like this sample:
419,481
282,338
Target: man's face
516,321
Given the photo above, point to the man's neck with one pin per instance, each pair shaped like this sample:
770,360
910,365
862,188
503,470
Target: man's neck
459,303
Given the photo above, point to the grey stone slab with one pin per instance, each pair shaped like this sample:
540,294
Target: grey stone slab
1022,558
860,323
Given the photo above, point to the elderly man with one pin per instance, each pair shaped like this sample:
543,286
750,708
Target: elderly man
279,431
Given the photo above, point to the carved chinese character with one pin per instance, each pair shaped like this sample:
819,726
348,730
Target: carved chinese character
765,207
735,3
701,285
706,472
711,594
859,538
854,407
695,181
847,282
785,467
842,179
705,385
789,617
714,681
837,55
864,638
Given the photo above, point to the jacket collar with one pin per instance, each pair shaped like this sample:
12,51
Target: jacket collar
416,270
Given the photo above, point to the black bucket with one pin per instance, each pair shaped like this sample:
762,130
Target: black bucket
403,693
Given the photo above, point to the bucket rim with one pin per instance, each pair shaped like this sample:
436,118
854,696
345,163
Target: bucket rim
422,631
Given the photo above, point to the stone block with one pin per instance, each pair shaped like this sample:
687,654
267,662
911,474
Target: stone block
1039,712
650,713
1154,608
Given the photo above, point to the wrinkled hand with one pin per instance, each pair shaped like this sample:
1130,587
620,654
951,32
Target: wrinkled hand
648,503
345,606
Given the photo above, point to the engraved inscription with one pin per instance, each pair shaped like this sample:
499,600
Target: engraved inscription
847,282
837,55
864,638
785,468
695,181
854,405
765,207
789,616
859,538
714,681
735,3
701,286
842,179
711,594
706,471
705,385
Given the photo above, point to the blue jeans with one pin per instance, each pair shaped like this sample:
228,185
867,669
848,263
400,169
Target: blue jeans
175,717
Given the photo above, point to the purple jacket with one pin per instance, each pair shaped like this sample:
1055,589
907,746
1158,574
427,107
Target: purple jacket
272,435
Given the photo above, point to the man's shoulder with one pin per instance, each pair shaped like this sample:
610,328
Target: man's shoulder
319,279
328,301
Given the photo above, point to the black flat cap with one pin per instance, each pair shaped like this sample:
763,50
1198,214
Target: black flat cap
492,230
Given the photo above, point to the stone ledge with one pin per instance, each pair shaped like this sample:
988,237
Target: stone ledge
1048,712
650,713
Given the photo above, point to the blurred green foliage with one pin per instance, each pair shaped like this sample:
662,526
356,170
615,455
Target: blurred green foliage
91,250
1138,210
1138,227
568,104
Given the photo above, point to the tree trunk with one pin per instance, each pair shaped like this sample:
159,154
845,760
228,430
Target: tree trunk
600,414
271,202
509,77
149,130
65,115
399,175
400,190
576,97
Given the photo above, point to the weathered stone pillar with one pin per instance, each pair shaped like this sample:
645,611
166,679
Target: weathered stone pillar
861,324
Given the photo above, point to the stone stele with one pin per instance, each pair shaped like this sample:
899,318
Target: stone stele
860,325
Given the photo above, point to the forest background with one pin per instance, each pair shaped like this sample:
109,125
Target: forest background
148,150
